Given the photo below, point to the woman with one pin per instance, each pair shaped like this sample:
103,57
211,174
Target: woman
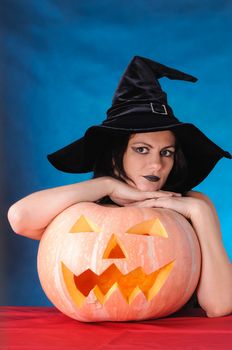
142,155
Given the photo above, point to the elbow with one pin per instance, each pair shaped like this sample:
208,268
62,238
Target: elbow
218,304
19,221
218,311
16,218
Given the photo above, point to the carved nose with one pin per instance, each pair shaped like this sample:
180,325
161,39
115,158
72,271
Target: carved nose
114,249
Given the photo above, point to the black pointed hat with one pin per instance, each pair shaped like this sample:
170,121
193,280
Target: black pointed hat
139,87
140,105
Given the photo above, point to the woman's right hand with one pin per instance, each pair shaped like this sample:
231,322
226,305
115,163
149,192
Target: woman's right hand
123,194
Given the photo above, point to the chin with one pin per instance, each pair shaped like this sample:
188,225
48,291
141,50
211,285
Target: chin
152,186
145,185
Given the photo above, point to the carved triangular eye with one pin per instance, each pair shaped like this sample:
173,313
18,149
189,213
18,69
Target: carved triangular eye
84,225
152,227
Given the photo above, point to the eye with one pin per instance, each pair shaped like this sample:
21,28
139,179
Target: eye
152,227
141,150
167,153
84,225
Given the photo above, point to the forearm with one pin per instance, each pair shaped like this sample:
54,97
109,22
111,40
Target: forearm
215,286
31,215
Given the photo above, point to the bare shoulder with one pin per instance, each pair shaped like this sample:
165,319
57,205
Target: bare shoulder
202,196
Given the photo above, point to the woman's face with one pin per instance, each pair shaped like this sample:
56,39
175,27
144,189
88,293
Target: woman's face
148,159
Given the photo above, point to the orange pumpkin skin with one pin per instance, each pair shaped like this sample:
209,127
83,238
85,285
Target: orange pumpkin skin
131,264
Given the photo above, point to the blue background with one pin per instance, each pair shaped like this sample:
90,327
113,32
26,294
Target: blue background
60,64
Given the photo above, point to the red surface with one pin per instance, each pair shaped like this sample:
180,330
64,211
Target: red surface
38,328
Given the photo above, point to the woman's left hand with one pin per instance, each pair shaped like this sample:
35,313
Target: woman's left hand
187,206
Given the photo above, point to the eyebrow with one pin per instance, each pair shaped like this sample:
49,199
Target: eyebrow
147,144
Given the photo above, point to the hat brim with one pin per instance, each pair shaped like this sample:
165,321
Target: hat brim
200,152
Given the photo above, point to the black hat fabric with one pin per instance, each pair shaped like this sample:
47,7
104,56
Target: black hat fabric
139,89
140,105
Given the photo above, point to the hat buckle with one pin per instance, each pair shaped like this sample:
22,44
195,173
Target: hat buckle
159,112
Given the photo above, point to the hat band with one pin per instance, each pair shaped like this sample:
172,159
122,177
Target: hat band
132,108
138,121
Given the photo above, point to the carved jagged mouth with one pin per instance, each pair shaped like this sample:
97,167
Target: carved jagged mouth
103,285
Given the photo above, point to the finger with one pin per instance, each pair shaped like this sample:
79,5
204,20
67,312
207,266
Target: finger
172,203
158,194
148,203
162,202
143,196
138,204
177,194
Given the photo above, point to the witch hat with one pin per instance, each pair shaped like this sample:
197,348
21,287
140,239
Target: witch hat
140,105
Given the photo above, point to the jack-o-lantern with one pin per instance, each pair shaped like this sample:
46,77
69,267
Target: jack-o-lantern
99,263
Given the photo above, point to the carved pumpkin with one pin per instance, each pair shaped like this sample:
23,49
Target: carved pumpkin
99,263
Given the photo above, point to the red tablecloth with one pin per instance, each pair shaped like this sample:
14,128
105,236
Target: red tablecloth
39,328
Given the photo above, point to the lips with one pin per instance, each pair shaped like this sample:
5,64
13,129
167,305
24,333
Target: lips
152,178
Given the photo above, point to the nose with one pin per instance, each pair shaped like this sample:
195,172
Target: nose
114,249
155,163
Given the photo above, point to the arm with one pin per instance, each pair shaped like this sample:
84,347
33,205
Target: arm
31,215
214,290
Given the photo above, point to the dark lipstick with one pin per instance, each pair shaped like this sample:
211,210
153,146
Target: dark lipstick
152,178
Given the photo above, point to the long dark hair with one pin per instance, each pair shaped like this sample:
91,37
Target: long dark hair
109,162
